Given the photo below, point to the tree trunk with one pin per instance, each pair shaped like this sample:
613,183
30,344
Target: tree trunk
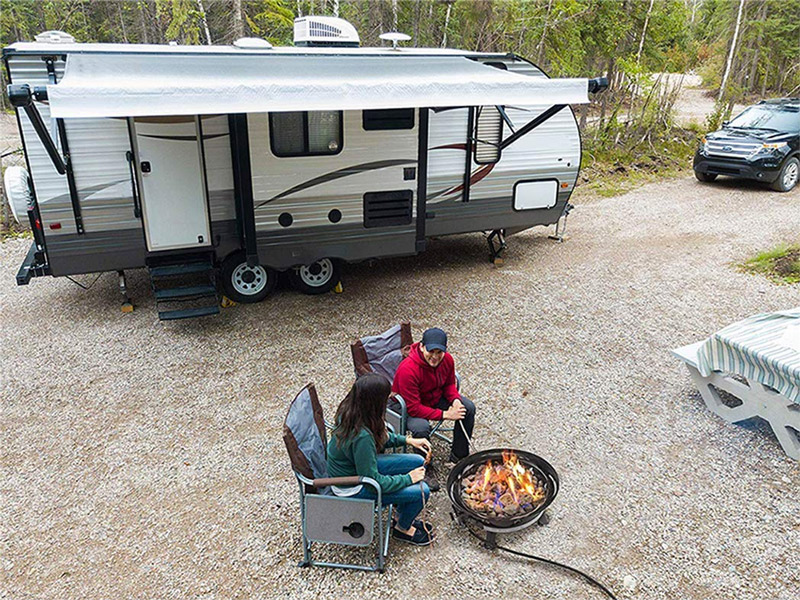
122,23
205,22
238,22
644,32
540,49
732,52
142,24
446,24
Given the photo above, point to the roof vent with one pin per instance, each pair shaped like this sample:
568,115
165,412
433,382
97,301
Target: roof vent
252,43
55,37
324,32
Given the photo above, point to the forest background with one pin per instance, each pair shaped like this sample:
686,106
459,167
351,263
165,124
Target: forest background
744,50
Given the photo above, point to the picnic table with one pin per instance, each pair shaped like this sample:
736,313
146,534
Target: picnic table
756,360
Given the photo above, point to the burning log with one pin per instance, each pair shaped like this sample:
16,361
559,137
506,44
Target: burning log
504,489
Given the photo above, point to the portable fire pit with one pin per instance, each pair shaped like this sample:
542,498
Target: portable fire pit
502,490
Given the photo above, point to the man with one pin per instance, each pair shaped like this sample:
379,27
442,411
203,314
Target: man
426,379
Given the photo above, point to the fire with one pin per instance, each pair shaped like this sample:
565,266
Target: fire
505,488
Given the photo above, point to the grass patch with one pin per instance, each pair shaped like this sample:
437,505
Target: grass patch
780,265
15,233
610,168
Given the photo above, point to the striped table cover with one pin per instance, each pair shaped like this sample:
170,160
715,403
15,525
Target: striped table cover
752,348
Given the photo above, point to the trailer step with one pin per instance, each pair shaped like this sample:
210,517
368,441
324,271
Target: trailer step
181,269
188,313
180,293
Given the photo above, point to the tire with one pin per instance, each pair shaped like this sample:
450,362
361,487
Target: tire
18,187
788,177
705,177
246,284
319,277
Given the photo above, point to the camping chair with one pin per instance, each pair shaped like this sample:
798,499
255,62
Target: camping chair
382,354
327,512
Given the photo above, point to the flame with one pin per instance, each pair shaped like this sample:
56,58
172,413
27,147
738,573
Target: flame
517,478
487,475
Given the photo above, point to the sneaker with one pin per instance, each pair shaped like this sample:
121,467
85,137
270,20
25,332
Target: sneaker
430,478
424,525
420,537
418,523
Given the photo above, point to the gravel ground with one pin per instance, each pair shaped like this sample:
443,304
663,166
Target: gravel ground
694,103
145,460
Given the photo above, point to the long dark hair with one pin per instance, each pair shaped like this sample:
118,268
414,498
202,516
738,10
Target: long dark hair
364,406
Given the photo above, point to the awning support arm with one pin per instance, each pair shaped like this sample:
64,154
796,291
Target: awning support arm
528,127
596,85
62,136
21,97
502,111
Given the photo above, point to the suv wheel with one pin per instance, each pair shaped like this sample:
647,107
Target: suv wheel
705,177
788,177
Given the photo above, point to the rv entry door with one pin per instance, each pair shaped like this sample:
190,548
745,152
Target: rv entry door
172,182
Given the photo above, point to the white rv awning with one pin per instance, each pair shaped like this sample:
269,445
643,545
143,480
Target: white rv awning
131,85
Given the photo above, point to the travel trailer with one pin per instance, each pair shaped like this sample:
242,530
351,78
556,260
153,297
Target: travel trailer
221,166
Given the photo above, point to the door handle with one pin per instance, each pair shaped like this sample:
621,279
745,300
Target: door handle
137,209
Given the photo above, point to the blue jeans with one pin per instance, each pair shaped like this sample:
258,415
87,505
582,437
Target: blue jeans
407,501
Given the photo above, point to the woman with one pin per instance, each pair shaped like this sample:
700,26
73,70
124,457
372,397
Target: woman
354,449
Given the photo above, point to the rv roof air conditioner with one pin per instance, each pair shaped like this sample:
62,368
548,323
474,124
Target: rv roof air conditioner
252,43
54,36
315,31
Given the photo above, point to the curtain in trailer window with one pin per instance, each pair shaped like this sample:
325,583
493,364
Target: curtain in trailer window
287,133
323,132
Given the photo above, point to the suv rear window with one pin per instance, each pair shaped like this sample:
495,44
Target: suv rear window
776,118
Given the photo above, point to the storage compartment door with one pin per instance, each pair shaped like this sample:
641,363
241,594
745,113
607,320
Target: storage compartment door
530,195
170,169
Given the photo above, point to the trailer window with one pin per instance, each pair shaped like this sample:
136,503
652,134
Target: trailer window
488,134
391,118
305,133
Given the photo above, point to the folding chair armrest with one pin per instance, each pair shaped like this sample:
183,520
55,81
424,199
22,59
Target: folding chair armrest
399,399
374,485
338,481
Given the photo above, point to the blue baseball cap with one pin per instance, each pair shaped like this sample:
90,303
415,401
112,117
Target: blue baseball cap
434,339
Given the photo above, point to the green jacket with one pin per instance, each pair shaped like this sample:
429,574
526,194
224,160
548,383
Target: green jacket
358,456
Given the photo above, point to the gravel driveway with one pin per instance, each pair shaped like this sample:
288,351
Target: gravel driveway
145,460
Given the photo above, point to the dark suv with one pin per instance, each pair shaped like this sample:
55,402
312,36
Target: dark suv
761,143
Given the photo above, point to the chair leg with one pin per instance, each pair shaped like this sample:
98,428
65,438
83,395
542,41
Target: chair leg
306,562
380,559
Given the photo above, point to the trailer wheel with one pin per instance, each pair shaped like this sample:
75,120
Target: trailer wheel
317,278
246,284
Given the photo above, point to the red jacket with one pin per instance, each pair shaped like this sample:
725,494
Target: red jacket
423,386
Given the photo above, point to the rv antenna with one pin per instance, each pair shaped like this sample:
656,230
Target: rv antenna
394,37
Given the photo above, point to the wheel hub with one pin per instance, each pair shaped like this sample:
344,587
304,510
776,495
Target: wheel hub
790,177
316,274
249,280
